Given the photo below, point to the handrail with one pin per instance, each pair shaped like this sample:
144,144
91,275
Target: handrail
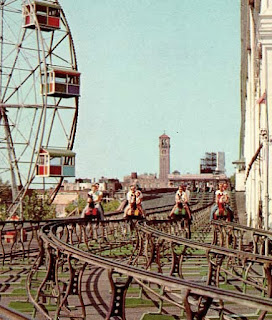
197,245
253,160
237,226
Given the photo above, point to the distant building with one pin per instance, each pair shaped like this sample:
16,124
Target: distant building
220,165
204,181
212,170
164,156
144,181
62,200
105,184
176,172
214,162
151,181
239,174
111,185
79,184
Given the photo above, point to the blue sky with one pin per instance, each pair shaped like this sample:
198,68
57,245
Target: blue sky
154,65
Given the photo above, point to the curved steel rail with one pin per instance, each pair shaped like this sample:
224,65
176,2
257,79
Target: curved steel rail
58,237
9,314
60,245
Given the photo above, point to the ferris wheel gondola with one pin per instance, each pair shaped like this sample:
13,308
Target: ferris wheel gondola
39,89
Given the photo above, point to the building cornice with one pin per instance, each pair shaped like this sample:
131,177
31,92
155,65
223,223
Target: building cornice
265,27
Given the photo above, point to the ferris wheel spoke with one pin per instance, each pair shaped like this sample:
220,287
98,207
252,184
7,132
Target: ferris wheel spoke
13,126
34,69
8,54
3,170
12,10
26,142
71,137
22,83
30,90
56,118
34,112
60,58
8,3
10,28
23,141
50,49
12,70
10,148
62,125
26,58
37,106
31,73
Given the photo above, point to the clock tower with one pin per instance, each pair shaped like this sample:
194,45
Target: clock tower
164,148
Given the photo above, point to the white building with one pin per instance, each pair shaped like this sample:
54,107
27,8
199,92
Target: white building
220,162
256,114
213,162
201,181
77,185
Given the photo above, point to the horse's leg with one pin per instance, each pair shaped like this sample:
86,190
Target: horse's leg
228,215
188,211
126,211
172,211
221,209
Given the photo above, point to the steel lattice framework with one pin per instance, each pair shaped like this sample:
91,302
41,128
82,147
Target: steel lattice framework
29,118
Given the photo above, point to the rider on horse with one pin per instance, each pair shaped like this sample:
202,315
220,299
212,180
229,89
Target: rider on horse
181,208
134,207
220,209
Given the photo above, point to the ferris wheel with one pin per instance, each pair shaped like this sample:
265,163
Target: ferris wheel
39,90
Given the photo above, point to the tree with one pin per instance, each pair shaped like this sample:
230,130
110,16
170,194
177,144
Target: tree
3,211
80,204
5,199
36,207
5,192
111,205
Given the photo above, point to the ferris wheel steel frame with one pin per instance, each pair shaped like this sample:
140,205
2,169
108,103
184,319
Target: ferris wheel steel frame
38,50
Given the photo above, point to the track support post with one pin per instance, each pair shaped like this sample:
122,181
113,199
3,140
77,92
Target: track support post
119,290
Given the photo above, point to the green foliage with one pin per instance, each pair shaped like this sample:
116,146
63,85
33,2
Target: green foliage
35,207
3,211
111,205
80,204
5,192
5,198
24,306
138,302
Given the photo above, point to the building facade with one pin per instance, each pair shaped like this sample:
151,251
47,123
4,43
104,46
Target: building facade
198,182
213,162
220,162
79,184
255,163
143,181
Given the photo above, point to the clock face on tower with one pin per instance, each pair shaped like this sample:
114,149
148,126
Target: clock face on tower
164,143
